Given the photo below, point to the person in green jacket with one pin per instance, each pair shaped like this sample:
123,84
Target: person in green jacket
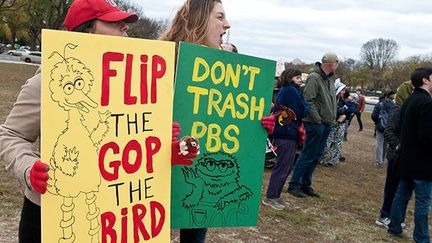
319,93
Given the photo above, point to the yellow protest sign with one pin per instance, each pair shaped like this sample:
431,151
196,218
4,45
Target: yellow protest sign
106,134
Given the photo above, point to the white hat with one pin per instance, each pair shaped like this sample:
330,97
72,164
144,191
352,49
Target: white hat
339,86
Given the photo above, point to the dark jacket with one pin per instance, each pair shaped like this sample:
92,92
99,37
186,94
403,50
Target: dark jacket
392,133
292,97
345,107
319,92
415,159
385,104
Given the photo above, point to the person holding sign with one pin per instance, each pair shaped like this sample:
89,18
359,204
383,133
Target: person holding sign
290,108
202,22
22,126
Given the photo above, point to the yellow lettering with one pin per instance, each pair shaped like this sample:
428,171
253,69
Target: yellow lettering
198,130
253,72
214,102
233,76
200,62
234,140
220,65
255,107
213,136
239,100
197,91
229,104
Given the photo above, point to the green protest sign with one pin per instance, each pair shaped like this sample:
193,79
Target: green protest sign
220,98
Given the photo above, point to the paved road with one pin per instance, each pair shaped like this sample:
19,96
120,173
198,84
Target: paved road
5,57
13,59
369,108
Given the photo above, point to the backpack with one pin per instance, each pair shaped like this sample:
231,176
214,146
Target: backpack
383,118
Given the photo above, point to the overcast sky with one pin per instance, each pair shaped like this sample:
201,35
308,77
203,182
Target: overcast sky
301,29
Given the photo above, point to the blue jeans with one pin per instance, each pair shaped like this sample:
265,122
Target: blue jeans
286,150
422,190
313,150
193,235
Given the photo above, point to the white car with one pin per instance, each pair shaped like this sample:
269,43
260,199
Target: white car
372,100
32,57
19,52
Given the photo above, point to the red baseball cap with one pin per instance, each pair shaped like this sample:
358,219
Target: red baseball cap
82,11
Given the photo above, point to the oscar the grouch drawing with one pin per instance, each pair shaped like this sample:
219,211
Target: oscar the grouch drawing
217,195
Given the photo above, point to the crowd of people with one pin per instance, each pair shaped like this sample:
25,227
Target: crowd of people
311,116
403,122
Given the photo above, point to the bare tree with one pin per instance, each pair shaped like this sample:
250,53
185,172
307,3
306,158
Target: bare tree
45,14
377,55
345,70
15,22
145,27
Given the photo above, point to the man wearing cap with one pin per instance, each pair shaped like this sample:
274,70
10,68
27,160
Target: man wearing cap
319,92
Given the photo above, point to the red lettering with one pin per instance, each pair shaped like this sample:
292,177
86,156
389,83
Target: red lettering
107,73
108,220
128,99
124,230
144,86
156,227
113,164
132,145
158,71
153,145
138,212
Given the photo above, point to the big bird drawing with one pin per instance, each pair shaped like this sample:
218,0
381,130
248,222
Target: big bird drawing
73,160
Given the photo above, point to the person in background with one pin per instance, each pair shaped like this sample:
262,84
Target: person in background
202,22
332,152
392,138
415,158
229,47
381,116
361,103
290,107
320,95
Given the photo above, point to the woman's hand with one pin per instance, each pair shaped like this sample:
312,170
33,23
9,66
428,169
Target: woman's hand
268,123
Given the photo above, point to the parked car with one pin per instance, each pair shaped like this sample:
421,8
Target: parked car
372,100
18,52
32,57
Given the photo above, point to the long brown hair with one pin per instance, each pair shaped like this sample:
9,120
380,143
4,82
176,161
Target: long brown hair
288,74
190,22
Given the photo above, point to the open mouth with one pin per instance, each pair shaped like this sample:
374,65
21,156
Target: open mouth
221,37
79,106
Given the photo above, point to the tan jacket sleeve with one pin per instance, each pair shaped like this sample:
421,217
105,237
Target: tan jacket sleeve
20,130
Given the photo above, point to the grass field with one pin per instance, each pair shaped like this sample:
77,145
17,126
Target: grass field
351,193
11,196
